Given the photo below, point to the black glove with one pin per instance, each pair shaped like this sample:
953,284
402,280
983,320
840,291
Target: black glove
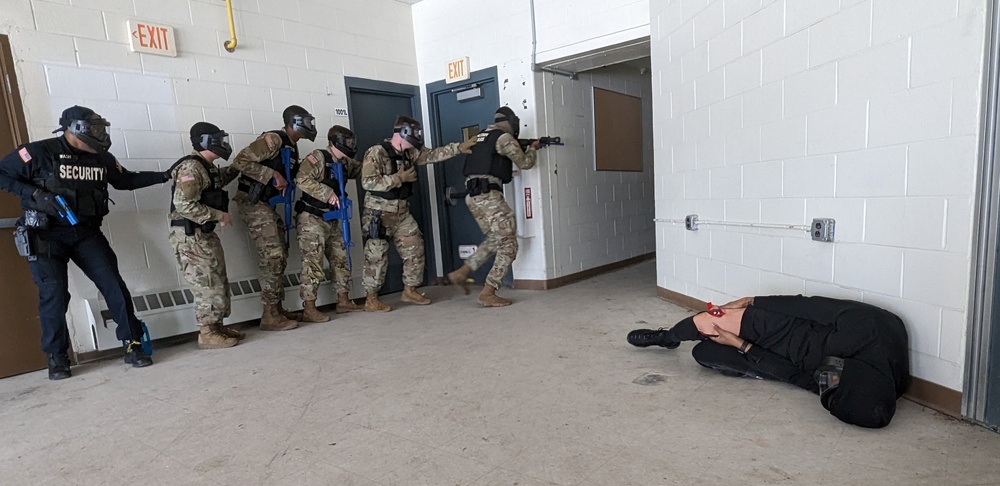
46,202
166,175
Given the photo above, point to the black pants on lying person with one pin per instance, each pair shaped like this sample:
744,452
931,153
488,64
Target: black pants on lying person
854,355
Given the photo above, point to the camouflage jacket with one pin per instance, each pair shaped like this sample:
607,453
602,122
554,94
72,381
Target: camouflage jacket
248,161
508,146
312,171
190,178
376,173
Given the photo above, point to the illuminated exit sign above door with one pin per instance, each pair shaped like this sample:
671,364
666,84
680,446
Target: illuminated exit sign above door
151,38
458,70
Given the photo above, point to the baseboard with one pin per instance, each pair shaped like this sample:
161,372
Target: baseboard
680,299
578,276
937,397
920,391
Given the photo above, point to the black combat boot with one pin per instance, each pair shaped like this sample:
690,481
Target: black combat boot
649,337
135,356
59,366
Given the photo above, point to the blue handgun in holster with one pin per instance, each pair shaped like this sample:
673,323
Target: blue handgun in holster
344,213
288,198
66,212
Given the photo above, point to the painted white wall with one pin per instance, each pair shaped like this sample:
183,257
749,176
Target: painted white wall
494,35
290,52
866,111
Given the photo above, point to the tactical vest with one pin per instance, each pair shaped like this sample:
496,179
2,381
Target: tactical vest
485,160
315,206
402,192
245,183
82,180
214,196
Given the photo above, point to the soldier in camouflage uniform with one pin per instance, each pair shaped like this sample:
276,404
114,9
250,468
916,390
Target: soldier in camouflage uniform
263,173
319,238
388,174
488,168
199,204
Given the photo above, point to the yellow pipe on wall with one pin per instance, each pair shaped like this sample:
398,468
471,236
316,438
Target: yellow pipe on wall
230,44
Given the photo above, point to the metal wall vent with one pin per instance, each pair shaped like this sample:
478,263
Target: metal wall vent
173,298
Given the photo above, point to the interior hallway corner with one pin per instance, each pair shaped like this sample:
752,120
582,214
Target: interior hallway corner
543,392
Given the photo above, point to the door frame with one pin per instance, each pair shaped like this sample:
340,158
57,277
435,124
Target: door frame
371,86
434,90
983,301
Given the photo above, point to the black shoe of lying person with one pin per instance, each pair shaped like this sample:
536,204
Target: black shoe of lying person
649,337
135,356
59,366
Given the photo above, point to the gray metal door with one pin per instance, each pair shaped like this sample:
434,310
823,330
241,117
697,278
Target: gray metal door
374,106
459,111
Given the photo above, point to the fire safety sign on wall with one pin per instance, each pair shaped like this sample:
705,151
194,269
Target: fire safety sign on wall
151,38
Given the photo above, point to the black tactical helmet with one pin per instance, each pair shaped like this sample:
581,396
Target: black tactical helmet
206,136
87,126
301,121
410,130
344,140
505,114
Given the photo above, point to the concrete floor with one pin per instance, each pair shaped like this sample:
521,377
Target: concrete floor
546,391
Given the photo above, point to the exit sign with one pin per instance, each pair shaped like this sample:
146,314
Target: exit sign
151,38
458,70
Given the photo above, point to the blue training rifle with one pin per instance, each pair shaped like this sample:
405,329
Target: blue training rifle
288,198
344,213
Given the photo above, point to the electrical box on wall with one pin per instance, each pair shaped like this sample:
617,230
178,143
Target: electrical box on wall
691,222
822,229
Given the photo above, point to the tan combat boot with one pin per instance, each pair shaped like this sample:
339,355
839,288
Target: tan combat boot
345,304
287,314
412,296
272,320
489,298
209,337
311,314
460,277
372,304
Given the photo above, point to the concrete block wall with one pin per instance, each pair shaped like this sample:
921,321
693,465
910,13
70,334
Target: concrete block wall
290,52
601,217
866,111
494,35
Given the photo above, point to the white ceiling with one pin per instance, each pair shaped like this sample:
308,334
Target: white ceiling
408,2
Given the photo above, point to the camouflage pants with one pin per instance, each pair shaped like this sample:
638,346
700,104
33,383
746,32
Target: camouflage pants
266,229
409,242
319,239
496,220
203,264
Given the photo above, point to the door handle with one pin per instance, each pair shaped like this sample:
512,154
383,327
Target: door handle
450,194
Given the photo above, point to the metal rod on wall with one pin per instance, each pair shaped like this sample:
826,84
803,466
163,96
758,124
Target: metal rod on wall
230,44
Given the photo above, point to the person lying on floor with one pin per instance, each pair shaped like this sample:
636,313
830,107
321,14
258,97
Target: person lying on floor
854,355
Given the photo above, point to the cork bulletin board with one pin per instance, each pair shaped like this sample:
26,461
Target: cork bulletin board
617,131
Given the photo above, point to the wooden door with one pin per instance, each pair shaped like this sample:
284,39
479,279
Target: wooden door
20,332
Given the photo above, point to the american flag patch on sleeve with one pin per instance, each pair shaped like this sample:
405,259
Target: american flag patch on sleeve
187,178
25,156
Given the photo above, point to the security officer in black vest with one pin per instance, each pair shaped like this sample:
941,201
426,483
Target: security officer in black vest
61,180
490,166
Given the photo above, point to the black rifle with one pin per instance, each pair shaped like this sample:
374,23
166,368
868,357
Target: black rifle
542,142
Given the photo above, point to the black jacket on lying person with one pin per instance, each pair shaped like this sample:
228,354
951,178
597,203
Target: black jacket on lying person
792,335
